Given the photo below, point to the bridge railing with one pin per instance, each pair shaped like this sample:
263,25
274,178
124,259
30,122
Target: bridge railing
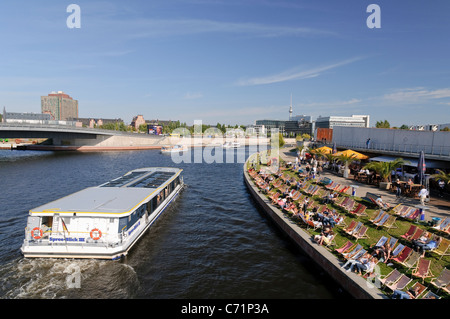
407,149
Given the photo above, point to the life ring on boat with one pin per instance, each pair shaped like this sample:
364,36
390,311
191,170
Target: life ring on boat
37,233
96,234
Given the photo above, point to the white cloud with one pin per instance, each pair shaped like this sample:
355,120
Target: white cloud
192,96
417,94
293,74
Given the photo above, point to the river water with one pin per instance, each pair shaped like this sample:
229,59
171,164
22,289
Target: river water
212,242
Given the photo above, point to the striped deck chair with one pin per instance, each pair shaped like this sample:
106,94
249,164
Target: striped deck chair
443,280
381,241
349,206
417,234
377,217
277,183
361,233
393,241
397,250
400,284
401,257
383,219
343,202
412,259
430,295
350,227
408,211
393,276
274,197
412,229
350,253
359,254
283,188
414,215
443,248
423,269
344,247
360,210
443,225
390,222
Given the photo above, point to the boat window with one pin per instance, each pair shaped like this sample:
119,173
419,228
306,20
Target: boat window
121,181
154,180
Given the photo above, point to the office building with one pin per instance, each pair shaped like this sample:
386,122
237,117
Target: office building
349,121
60,106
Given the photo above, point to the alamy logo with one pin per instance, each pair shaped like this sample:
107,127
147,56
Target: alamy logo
74,19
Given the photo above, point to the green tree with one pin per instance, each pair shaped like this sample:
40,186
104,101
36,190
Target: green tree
383,124
384,169
404,127
441,175
346,160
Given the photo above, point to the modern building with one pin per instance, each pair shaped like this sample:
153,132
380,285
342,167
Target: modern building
60,106
348,121
14,117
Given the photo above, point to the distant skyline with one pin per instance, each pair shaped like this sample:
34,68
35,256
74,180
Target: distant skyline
230,61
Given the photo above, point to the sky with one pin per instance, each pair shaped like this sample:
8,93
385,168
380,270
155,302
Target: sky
230,61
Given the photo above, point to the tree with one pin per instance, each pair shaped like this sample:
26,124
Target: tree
404,127
346,160
441,175
445,129
383,124
384,169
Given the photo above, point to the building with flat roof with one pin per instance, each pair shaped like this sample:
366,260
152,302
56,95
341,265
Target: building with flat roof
60,106
348,121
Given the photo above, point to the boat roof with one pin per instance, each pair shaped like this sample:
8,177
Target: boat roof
120,196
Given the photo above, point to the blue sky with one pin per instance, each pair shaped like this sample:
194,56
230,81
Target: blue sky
230,61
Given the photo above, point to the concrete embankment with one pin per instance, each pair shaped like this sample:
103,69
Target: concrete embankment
355,285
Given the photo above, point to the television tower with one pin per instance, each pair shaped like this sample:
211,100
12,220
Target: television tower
290,109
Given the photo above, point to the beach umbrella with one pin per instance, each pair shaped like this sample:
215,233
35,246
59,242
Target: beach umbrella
357,155
334,148
421,167
325,149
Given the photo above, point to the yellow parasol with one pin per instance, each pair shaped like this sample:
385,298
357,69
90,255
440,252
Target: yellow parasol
324,149
350,152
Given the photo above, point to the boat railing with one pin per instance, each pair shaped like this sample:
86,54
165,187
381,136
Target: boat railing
48,238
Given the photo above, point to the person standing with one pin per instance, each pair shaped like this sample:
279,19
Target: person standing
423,195
441,187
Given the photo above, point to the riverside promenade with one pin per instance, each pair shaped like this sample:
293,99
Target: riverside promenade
355,285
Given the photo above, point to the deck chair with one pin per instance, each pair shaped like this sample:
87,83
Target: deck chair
400,284
355,229
401,257
344,247
423,269
443,248
381,241
414,215
417,234
412,259
393,276
421,290
350,227
382,220
390,222
412,229
361,234
443,225
397,250
430,295
443,280
352,252
393,241
377,217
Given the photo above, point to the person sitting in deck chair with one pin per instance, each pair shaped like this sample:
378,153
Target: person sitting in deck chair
381,203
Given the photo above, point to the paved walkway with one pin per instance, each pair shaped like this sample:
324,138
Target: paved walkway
438,207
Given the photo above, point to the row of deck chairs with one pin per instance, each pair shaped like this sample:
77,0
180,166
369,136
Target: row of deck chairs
384,219
337,187
407,212
356,230
443,226
414,232
395,279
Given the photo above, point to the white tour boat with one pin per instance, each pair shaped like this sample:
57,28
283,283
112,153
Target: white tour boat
231,145
174,149
103,221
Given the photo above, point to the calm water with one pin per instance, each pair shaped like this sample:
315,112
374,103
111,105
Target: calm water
212,242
